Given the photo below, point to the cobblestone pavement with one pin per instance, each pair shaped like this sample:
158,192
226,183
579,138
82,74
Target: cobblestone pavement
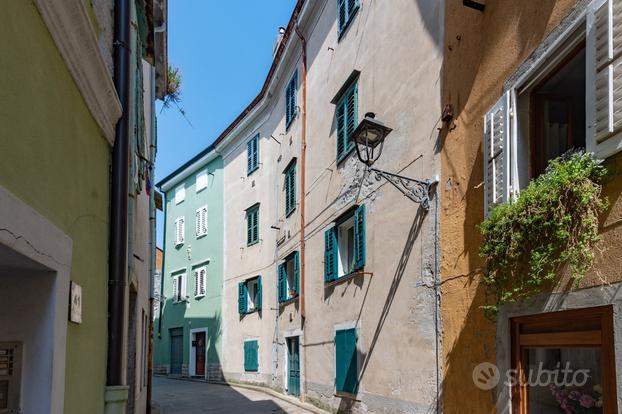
171,396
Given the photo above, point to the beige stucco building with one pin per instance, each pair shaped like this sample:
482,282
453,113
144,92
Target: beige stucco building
345,315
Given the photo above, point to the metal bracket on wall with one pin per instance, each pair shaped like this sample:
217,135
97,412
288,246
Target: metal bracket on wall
417,190
474,5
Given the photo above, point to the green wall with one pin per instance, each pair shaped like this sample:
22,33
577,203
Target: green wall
54,157
203,312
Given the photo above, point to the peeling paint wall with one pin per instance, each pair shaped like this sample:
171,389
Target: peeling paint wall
393,303
483,51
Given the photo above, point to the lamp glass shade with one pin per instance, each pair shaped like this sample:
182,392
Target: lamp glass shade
370,133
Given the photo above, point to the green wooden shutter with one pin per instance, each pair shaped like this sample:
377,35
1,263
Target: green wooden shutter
297,273
255,354
259,294
242,306
341,130
256,151
249,157
346,365
282,283
290,189
330,254
256,225
341,14
359,238
290,99
351,106
251,356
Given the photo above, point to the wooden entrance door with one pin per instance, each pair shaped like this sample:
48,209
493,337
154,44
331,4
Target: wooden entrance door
199,349
293,383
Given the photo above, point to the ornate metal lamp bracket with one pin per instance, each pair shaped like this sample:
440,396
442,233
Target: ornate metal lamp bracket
417,190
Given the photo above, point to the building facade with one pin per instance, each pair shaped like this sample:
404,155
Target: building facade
56,153
188,327
320,310
513,68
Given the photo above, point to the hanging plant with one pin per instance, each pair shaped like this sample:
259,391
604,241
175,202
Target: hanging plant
553,224
173,92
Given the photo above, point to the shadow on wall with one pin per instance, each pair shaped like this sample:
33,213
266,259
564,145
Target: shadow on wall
481,52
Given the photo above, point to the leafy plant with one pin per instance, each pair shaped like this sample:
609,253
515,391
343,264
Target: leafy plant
552,225
173,92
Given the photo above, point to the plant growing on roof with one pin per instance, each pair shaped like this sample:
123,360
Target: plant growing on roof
173,92
553,224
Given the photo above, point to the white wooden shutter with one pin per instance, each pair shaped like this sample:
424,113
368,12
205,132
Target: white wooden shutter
197,223
497,138
175,292
204,220
177,231
604,77
182,230
201,180
202,281
196,283
183,287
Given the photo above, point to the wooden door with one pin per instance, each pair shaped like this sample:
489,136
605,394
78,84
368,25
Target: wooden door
293,386
177,350
199,350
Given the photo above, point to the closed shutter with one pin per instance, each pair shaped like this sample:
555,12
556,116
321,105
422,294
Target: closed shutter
247,356
497,139
341,130
182,230
256,225
256,151
604,77
346,365
249,156
359,238
202,281
290,99
347,113
175,289
296,273
282,282
197,225
330,254
201,181
242,298
351,104
204,220
196,283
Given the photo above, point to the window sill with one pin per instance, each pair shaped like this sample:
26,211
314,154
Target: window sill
290,300
344,278
252,244
199,236
178,245
291,121
343,394
199,296
289,213
249,173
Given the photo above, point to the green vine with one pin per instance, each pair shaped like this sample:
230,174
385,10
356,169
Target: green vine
553,224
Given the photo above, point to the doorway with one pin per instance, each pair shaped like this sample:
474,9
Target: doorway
177,350
293,367
198,347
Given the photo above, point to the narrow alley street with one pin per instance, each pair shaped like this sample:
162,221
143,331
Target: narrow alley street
173,396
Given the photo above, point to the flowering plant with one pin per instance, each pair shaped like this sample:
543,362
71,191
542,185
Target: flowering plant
573,400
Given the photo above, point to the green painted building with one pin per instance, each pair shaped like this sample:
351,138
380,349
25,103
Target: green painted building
188,331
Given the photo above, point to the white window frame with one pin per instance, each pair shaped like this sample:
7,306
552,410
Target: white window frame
202,180
342,247
180,230
179,288
201,221
200,286
180,194
251,306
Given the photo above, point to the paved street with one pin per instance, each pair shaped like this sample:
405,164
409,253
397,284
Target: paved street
176,396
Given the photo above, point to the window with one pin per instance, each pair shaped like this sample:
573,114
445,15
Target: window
576,348
290,100
249,295
346,10
201,180
180,194
180,229
201,221
289,278
346,361
548,112
344,245
290,188
252,154
346,112
200,282
251,355
252,225
179,288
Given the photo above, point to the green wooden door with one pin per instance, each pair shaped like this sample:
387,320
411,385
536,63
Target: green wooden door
346,375
293,383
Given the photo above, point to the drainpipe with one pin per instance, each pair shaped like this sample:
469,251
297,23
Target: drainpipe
303,159
116,391
152,238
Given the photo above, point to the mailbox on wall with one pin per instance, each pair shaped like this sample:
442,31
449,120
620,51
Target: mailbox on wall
10,377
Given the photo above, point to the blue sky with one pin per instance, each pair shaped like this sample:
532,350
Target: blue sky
224,51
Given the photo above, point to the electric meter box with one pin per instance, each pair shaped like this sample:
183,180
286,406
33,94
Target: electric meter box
10,377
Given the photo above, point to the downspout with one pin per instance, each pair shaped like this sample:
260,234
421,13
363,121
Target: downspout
152,238
303,159
117,259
